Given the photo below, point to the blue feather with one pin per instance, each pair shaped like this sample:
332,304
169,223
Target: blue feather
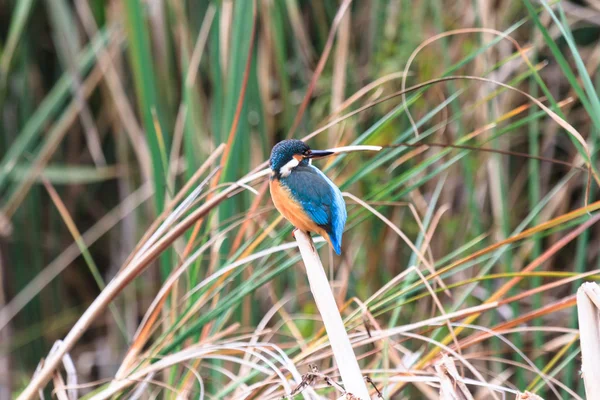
321,199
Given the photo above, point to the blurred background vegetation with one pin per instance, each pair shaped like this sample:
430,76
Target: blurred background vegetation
116,105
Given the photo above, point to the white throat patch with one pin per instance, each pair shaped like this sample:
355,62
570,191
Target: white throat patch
286,170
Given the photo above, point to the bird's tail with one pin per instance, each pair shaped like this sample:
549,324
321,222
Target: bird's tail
336,243
333,240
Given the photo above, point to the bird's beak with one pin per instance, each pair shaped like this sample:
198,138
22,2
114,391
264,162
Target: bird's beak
319,153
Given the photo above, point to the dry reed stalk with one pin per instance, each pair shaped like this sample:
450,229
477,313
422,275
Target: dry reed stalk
588,309
338,338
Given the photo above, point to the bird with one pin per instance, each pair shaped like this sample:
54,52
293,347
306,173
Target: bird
303,194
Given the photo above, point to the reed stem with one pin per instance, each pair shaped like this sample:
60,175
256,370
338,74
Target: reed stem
338,338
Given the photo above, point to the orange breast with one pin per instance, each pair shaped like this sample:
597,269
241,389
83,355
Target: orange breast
292,210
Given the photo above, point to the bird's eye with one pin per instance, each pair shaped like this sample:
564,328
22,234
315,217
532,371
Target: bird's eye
306,152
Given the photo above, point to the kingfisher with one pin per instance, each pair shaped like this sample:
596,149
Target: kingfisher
307,198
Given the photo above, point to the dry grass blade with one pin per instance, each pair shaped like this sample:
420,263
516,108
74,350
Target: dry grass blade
123,279
338,338
447,34
588,309
122,105
425,146
340,64
159,221
143,332
234,125
398,231
274,360
506,287
64,259
55,137
553,307
242,95
313,82
452,387
60,390
564,124
190,79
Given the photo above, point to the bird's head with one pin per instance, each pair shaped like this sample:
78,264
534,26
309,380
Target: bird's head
288,154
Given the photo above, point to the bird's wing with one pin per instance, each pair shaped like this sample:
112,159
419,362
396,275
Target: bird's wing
320,198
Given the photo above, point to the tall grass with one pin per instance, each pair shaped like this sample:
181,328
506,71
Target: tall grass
133,141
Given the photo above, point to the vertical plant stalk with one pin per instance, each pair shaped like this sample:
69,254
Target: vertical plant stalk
338,338
588,310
